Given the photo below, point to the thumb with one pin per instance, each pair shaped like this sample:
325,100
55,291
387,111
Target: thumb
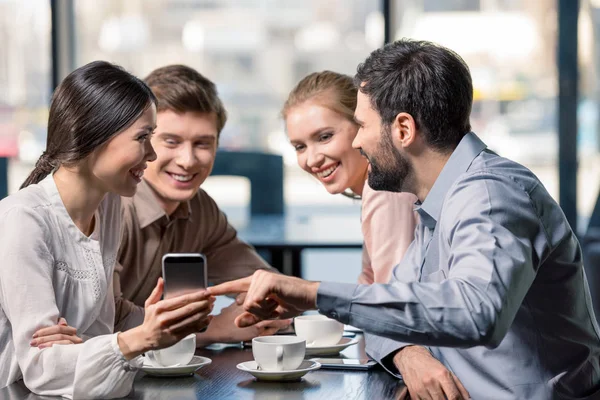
246,319
156,293
62,321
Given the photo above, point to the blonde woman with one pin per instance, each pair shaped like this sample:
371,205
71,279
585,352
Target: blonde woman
319,122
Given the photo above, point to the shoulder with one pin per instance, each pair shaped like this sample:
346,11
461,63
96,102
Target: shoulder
27,209
495,189
497,179
33,196
203,203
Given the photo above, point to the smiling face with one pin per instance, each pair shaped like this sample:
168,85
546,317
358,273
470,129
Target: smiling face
389,170
119,164
323,139
185,144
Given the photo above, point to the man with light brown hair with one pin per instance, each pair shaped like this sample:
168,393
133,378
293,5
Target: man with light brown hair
170,213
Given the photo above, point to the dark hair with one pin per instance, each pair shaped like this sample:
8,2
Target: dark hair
90,106
180,88
429,82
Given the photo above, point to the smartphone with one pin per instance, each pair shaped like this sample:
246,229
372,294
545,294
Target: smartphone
361,364
183,273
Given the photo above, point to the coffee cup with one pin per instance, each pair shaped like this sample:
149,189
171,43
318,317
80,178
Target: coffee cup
318,330
181,353
278,353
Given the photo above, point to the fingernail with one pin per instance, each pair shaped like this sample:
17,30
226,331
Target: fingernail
33,343
34,335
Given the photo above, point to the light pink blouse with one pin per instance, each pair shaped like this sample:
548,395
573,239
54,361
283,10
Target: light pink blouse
388,226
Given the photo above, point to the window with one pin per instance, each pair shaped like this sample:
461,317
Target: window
24,84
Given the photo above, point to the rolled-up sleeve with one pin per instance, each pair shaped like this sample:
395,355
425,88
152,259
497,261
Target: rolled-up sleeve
489,225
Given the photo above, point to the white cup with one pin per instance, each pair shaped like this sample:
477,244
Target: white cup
181,353
318,330
278,353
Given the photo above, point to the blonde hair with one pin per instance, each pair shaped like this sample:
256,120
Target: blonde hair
331,90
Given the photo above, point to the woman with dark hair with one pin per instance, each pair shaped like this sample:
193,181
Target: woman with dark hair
59,240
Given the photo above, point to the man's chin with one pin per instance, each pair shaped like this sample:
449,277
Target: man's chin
381,183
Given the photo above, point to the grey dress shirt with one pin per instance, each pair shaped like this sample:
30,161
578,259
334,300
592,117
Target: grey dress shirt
493,283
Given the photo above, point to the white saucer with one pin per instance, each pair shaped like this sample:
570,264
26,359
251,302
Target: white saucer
291,375
195,364
350,328
332,349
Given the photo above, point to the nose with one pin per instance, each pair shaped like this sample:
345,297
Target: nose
357,143
315,158
186,158
150,153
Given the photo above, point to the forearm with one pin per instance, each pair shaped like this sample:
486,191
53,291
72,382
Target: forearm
451,313
132,343
80,370
127,314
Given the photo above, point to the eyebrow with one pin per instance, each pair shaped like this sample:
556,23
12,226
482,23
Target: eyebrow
148,128
176,136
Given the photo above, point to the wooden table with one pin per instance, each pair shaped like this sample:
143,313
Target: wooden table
222,380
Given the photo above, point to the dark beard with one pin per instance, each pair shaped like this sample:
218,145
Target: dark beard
390,171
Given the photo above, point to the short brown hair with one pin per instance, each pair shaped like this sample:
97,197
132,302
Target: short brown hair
181,89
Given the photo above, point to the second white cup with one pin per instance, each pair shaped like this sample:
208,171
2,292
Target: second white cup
318,330
278,353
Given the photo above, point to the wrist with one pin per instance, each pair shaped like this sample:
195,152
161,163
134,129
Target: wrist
204,339
314,290
132,343
403,355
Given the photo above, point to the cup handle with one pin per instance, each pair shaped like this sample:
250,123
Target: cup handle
279,354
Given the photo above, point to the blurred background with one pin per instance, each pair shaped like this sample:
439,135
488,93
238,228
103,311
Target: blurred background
256,50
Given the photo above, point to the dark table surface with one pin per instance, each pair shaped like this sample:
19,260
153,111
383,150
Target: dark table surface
301,231
222,380
284,237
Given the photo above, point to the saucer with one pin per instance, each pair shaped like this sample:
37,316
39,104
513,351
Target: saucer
350,328
290,375
195,364
331,349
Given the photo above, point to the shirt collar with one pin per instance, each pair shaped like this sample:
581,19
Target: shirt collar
148,210
461,158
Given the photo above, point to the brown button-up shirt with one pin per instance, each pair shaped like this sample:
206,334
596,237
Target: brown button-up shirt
197,226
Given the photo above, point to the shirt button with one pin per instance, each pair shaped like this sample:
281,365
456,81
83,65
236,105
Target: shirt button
333,315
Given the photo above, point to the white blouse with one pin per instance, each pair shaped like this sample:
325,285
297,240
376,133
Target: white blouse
50,269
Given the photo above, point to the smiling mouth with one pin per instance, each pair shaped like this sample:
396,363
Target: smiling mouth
328,171
182,178
137,173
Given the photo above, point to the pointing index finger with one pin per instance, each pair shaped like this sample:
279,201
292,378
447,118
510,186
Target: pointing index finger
231,287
